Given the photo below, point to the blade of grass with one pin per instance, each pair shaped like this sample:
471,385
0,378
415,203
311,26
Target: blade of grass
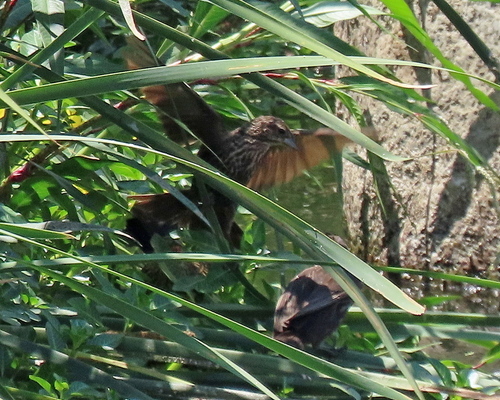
472,38
270,17
404,14
311,240
128,80
129,18
222,258
8,101
33,232
77,27
85,372
143,318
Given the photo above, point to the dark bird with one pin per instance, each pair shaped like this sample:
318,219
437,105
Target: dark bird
311,308
261,154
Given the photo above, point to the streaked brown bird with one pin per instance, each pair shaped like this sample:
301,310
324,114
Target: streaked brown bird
260,154
311,308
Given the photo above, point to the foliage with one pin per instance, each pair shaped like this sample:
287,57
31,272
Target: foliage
83,316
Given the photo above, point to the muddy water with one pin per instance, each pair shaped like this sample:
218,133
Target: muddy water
316,200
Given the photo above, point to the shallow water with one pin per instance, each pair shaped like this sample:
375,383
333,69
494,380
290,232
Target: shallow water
315,199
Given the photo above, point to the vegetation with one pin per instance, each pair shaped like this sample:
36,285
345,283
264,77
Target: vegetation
82,316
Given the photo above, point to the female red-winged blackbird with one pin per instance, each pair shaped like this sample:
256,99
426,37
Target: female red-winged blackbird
260,154
311,308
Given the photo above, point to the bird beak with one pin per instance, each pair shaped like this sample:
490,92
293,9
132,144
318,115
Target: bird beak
291,143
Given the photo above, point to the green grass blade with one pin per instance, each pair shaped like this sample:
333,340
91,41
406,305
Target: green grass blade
70,33
145,319
325,13
311,240
85,372
403,13
272,18
31,232
472,38
9,102
222,258
128,80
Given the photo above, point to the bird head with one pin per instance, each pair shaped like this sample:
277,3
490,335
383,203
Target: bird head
271,130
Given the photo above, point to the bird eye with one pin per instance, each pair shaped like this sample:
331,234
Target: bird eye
281,131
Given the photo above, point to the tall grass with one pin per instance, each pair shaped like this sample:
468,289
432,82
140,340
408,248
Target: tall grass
82,318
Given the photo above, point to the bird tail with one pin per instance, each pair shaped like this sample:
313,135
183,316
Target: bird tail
184,114
156,214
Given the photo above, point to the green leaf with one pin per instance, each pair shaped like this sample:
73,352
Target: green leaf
7,100
273,19
86,373
54,332
34,231
326,13
443,372
178,73
205,18
310,239
468,34
43,383
493,354
129,18
403,13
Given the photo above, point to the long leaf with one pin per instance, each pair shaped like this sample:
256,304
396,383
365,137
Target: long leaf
472,38
85,372
223,258
8,101
403,13
272,18
143,318
326,13
186,72
32,231
315,243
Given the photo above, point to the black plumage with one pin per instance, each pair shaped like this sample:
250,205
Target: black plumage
311,308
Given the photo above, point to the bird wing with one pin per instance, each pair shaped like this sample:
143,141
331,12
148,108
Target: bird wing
312,307
290,307
177,102
282,164
308,292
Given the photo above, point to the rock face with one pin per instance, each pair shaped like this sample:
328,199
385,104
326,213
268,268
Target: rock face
444,215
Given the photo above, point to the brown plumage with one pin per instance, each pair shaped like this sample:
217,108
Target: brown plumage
311,308
238,155
260,154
